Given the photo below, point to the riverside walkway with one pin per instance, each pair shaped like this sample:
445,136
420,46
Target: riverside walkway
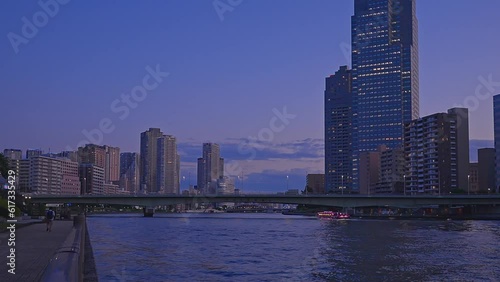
34,249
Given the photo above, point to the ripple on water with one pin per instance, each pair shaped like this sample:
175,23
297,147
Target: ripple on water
277,248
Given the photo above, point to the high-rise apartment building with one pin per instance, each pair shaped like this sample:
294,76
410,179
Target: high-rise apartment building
210,168
392,170
437,153
70,180
168,168
369,170
92,154
91,178
112,164
473,178
338,130
24,176
14,158
45,175
385,79
149,160
129,172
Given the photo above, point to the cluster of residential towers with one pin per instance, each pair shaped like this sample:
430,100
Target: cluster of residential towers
103,170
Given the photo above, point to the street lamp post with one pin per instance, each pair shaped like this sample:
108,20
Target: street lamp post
404,184
84,188
468,184
287,182
342,187
439,183
306,183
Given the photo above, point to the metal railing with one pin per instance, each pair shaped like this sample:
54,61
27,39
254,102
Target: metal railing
67,262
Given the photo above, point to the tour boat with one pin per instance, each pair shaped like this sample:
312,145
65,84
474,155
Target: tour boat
332,215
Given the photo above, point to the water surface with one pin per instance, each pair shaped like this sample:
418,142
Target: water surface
275,247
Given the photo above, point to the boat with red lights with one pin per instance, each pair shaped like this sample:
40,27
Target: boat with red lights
332,215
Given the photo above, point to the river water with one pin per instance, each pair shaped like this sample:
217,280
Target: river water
275,247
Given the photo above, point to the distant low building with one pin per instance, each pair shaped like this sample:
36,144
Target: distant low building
13,154
110,189
14,159
292,192
392,170
225,186
33,153
473,177
315,184
486,170
369,171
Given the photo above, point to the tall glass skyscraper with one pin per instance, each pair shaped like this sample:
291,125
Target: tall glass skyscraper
496,118
338,131
384,74
148,157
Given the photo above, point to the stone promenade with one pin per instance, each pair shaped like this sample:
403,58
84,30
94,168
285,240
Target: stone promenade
34,248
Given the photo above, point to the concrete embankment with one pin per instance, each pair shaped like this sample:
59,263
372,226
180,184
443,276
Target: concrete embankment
89,269
73,260
34,247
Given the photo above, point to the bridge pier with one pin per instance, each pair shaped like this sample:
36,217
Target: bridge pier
148,211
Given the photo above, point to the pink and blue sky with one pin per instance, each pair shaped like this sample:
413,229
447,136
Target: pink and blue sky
226,75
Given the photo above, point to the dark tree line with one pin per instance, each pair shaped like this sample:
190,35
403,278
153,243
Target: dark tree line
4,166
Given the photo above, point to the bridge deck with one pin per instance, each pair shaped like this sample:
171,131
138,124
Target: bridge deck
323,200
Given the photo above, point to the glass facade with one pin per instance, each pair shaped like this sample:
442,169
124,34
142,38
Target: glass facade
496,114
338,131
384,75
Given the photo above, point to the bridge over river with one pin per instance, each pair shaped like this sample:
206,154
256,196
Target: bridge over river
344,201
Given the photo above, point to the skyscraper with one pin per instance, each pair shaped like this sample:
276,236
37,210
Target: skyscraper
91,178
92,154
436,152
45,175
385,80
70,180
392,170
496,118
168,165
129,172
338,131
148,156
112,164
210,168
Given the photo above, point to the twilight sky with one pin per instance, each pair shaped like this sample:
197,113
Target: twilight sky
230,76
